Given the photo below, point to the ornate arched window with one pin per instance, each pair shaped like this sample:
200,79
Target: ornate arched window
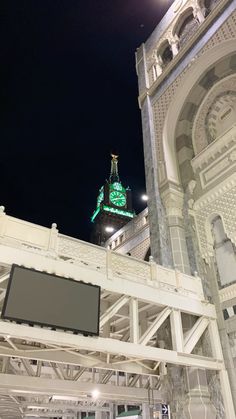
209,5
185,27
165,52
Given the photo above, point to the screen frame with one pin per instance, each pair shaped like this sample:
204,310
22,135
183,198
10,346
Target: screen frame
29,322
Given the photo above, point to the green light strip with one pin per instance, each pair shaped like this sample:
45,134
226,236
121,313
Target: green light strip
95,214
118,211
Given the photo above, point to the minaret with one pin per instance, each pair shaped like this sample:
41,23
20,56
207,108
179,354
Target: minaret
114,206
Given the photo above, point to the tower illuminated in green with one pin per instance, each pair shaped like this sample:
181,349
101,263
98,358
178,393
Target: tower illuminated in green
114,206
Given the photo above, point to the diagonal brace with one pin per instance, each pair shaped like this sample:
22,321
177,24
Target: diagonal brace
155,326
113,309
193,336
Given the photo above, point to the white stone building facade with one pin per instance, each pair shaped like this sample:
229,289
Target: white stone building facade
187,95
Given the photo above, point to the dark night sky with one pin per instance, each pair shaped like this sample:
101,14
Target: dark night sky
68,98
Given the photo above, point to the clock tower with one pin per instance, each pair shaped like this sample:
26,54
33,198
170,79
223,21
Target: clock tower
114,206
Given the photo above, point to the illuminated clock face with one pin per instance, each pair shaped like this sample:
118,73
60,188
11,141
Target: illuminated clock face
118,199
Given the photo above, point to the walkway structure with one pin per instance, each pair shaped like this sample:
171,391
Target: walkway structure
45,371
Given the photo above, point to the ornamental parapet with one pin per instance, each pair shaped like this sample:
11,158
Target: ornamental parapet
16,234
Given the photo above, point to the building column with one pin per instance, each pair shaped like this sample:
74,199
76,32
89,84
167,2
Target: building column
157,65
112,411
198,403
174,44
146,413
177,398
100,415
173,200
198,14
227,354
159,235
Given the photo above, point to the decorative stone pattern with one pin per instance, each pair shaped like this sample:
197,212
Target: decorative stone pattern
187,16
225,103
225,32
228,293
221,147
141,250
80,251
221,201
216,396
218,169
131,229
204,131
127,266
183,25
189,29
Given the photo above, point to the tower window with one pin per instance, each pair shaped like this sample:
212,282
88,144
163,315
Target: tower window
167,55
187,29
226,314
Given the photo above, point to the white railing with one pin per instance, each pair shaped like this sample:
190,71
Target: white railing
227,293
33,238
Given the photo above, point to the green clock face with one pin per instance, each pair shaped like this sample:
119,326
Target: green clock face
118,199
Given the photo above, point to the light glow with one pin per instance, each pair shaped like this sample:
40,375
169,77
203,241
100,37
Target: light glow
109,229
144,197
95,394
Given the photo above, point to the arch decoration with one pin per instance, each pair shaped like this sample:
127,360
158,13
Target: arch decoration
220,201
221,94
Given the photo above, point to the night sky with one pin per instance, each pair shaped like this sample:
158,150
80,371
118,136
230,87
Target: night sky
69,98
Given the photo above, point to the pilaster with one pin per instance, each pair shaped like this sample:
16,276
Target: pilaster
159,235
228,359
173,200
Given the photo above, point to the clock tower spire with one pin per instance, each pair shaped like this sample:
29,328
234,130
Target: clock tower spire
114,206
114,176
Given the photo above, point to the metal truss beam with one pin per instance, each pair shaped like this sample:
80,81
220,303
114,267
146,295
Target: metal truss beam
4,277
21,385
52,406
195,334
61,357
2,296
155,326
149,292
111,311
108,346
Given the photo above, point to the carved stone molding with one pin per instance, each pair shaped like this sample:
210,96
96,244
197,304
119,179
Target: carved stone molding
173,201
201,138
220,145
221,201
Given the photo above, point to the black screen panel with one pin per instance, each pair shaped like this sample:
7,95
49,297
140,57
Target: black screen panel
40,298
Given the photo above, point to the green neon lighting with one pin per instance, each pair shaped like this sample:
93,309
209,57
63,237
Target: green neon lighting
95,214
100,198
118,211
117,186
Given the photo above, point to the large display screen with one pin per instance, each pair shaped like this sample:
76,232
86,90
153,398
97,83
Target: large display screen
40,298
